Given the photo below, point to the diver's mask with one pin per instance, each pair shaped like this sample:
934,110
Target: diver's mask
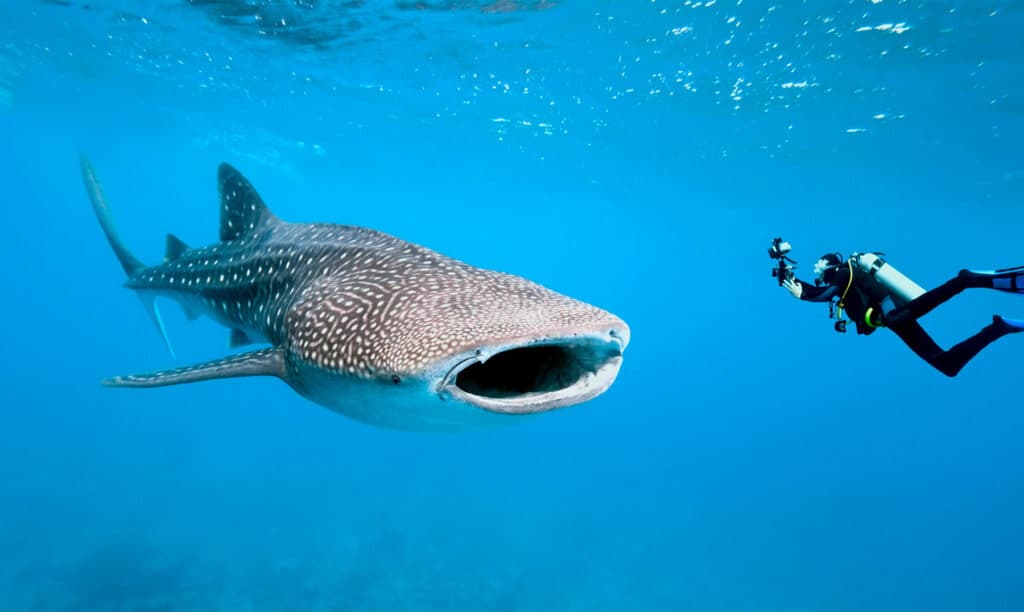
825,268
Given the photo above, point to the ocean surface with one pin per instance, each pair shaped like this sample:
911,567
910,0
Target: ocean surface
636,155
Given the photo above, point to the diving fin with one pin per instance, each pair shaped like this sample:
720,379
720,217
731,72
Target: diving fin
1005,279
1010,325
264,362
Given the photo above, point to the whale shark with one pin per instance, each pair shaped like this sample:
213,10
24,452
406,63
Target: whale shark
373,327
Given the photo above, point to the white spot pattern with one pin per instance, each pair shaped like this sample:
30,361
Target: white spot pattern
361,302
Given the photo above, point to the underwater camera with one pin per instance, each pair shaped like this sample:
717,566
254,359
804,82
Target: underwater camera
783,270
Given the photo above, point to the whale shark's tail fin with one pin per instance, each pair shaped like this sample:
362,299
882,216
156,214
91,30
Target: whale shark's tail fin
129,262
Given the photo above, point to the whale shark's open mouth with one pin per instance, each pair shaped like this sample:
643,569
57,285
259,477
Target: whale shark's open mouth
537,376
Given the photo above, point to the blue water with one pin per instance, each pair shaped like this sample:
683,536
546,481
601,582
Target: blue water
636,155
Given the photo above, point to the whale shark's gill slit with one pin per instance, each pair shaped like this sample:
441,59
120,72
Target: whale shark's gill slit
532,370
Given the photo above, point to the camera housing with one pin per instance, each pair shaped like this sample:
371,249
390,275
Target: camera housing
779,248
783,271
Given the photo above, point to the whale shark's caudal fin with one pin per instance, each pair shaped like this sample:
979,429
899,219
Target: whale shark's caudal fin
129,262
148,300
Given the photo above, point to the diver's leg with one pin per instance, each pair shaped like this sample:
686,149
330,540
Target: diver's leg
926,302
952,361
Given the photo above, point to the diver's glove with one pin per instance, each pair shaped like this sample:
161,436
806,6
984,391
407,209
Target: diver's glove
794,287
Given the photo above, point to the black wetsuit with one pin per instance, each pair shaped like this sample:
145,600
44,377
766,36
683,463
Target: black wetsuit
902,320
855,303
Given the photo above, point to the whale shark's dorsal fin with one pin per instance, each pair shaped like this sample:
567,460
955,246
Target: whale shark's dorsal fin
264,362
242,210
175,247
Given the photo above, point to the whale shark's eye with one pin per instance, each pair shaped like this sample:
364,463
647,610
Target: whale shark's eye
395,379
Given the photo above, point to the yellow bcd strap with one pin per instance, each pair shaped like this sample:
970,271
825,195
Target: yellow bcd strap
842,299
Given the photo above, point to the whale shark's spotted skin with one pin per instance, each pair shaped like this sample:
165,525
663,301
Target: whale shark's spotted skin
342,304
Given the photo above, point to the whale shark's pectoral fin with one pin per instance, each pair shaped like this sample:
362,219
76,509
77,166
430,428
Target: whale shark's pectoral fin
265,362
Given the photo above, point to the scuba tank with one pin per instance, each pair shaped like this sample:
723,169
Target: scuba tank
881,279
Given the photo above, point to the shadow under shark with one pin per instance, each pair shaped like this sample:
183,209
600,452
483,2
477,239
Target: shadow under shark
373,327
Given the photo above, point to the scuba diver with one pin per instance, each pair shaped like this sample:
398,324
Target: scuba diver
874,294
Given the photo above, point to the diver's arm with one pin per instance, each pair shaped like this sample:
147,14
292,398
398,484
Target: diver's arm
808,292
815,293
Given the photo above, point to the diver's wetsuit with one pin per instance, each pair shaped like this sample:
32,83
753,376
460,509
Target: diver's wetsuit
902,320
855,303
